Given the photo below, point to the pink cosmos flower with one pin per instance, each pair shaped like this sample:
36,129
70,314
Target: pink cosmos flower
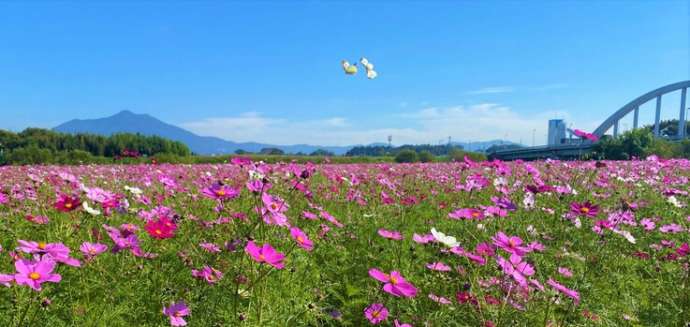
565,272
376,313
516,268
438,266
273,210
585,209
57,251
91,250
561,288
211,275
512,244
209,247
671,228
395,284
33,274
485,249
125,238
396,323
536,246
265,254
39,220
175,312
391,234
6,279
467,213
648,224
220,192
331,219
309,215
301,238
439,299
423,239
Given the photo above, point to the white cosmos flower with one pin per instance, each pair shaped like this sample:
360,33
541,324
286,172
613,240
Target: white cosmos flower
625,234
672,200
254,174
134,190
90,210
447,240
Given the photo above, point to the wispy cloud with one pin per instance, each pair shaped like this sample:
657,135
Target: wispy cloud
483,121
493,90
548,87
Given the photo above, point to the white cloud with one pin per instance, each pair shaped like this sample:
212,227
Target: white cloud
493,90
484,121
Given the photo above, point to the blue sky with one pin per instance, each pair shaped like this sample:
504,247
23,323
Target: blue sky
269,71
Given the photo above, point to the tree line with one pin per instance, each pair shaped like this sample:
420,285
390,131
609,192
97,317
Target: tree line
640,143
37,145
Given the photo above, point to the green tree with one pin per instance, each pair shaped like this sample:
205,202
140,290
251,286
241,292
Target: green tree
406,156
426,156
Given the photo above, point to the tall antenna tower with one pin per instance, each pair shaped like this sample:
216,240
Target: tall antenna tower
390,140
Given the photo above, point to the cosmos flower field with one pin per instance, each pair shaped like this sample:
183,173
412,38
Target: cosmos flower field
545,243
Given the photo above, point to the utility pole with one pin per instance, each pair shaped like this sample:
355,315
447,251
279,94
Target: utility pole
534,131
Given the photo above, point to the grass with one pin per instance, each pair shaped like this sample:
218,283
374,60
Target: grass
330,286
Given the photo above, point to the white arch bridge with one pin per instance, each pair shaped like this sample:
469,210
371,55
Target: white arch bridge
576,148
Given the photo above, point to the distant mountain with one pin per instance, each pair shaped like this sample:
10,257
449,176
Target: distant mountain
129,122
480,146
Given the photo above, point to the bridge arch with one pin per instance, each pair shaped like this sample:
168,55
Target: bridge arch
634,106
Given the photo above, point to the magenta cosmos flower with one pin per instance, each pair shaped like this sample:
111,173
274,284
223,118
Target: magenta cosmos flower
33,274
390,234
395,284
511,244
209,274
92,249
585,209
266,254
66,203
176,311
561,288
301,238
57,251
220,192
376,313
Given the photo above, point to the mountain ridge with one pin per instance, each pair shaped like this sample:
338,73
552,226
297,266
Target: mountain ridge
127,121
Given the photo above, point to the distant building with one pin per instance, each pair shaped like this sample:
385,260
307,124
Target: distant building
556,132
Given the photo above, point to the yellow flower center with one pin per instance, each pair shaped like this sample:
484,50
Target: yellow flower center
375,314
68,205
584,210
394,280
511,242
158,232
220,192
300,239
475,214
274,206
34,275
42,245
92,251
178,314
262,257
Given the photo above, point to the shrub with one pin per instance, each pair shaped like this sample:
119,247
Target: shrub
406,156
426,156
